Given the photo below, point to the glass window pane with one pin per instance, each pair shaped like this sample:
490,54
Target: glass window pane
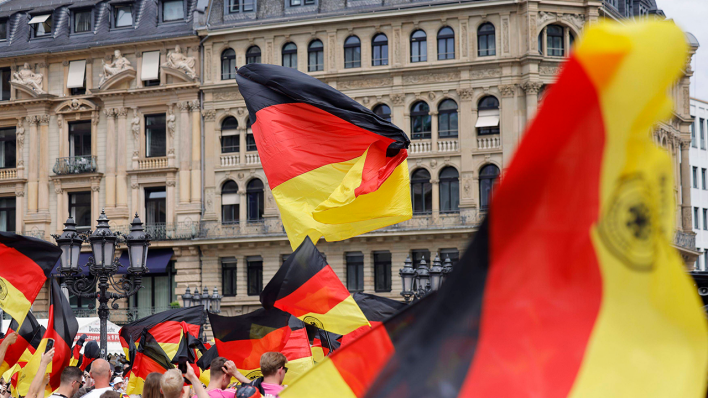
123,16
3,30
155,135
82,21
172,10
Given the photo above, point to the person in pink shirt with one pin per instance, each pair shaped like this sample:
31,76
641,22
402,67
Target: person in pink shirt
221,371
274,370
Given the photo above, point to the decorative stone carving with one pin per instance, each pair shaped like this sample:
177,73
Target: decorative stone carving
505,35
575,19
20,134
433,163
507,91
241,111
431,95
532,87
180,65
544,17
122,112
209,202
207,67
467,188
485,73
33,120
96,188
135,126
170,183
230,94
57,190
364,83
209,115
686,101
27,81
20,193
44,120
110,112
398,99
432,78
534,33
549,70
465,93
135,185
118,70
463,39
194,105
76,105
183,106
95,118
171,122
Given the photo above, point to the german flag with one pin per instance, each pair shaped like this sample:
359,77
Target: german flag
91,352
26,262
335,168
297,351
575,290
149,357
29,336
376,309
76,351
349,371
166,327
204,362
61,327
324,342
307,287
244,338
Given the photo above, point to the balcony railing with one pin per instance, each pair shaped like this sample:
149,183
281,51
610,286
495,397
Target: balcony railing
439,220
488,143
152,163
172,231
8,174
75,165
685,240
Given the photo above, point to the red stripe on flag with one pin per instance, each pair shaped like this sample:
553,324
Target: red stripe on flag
350,337
319,294
555,296
24,274
361,361
246,354
291,140
297,346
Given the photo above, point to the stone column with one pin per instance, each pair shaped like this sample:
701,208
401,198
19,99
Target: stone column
171,127
196,179
532,89
43,190
434,130
95,207
242,208
170,192
211,155
19,148
397,111
436,196
60,205
686,210
135,131
19,207
95,118
121,149
110,157
184,152
89,73
467,143
509,135
33,165
242,131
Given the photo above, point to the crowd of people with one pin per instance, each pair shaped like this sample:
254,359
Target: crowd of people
104,379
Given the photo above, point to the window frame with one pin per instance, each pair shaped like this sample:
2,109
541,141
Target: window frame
254,264
114,16
449,40
231,60
705,219
694,142
235,208
34,28
5,88
229,6
695,177
352,50
83,134
291,54
483,34
162,11
250,191
382,115
695,219
355,267
318,54
414,115
448,185
382,50
555,51
482,107
420,45
487,179
702,130
4,22
229,265
249,58
385,285
448,113
13,140
73,20
425,194
148,153
11,213
704,186
73,206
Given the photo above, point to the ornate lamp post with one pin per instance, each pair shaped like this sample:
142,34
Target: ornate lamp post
426,279
102,266
209,303
407,273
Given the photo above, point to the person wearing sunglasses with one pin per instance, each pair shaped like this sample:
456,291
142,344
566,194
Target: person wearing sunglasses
274,370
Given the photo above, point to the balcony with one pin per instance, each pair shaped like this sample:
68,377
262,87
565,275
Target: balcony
417,147
152,163
172,231
487,143
8,174
75,165
253,158
464,218
685,240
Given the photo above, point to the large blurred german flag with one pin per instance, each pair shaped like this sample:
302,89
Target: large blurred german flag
166,327
376,309
149,357
24,265
297,351
571,287
244,338
29,336
61,327
307,287
335,168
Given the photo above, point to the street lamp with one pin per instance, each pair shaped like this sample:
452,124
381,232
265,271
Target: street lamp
422,280
208,303
102,266
447,268
407,273
436,273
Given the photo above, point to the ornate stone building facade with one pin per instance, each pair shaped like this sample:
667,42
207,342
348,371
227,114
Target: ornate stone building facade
159,127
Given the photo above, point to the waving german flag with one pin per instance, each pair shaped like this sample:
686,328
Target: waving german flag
376,309
325,342
29,336
571,287
61,327
166,327
297,351
24,265
149,357
244,338
335,168
307,287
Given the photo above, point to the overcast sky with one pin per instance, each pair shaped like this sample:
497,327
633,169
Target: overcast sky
692,15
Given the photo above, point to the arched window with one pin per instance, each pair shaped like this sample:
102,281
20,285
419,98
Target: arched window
315,56
229,203
250,139
555,46
420,120
449,190
488,116
379,50
253,55
383,111
290,55
254,197
487,180
486,43
421,192
352,52
419,46
228,64
447,119
446,43
229,135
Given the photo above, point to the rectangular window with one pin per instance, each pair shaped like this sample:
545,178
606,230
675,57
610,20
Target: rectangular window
705,219
7,148
157,293
82,21
250,143
355,272
418,255
3,30
77,77
155,206
703,179
248,5
122,15
234,6
693,135
7,214
155,136
172,10
230,144
254,267
695,177
80,138
228,276
695,218
702,130
382,271
453,254
42,25
309,2
80,209
5,74
295,3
